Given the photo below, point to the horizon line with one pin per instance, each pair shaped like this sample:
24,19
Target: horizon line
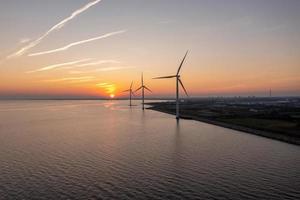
139,98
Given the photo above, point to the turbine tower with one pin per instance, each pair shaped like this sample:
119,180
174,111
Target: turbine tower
130,93
178,81
143,87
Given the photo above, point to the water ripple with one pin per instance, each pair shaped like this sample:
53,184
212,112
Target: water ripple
104,150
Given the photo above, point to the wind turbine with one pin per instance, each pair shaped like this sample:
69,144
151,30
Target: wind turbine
143,87
178,81
130,93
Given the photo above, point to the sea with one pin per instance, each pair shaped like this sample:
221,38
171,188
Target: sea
104,149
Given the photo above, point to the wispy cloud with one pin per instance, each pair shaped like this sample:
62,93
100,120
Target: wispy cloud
166,22
103,69
50,67
56,27
99,62
112,68
78,43
78,72
102,84
110,88
73,79
24,40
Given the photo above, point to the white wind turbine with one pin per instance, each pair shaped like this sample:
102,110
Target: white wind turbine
143,87
178,81
130,93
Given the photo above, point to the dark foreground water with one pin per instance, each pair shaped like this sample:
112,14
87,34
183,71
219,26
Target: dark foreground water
104,150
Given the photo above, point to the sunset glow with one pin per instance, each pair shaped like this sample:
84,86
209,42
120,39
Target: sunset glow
149,99
235,48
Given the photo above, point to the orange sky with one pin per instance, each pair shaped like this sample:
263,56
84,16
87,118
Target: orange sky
243,49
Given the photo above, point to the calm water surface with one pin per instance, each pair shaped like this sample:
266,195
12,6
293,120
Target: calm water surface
104,150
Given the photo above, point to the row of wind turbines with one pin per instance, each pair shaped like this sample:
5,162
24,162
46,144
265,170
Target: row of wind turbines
143,87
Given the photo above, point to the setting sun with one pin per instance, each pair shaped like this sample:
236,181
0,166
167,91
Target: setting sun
112,96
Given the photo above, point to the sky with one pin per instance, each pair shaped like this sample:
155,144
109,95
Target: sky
95,48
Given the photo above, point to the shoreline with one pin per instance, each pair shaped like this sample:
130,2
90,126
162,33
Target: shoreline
266,134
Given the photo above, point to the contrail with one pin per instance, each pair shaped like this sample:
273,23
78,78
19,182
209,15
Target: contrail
54,28
77,43
59,65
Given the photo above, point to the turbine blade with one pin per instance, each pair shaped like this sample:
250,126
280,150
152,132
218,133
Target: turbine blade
142,79
162,77
132,93
147,89
183,87
126,91
131,84
182,62
138,89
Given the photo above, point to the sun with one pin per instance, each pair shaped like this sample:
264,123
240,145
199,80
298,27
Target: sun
112,96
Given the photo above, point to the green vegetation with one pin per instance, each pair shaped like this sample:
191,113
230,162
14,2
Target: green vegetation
272,125
276,118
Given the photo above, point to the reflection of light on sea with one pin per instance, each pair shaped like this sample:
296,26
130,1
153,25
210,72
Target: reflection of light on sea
112,105
108,104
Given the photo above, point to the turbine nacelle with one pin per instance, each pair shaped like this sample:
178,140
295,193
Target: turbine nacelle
131,93
143,87
178,82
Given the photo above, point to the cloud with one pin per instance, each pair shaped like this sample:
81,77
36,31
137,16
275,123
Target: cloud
103,69
24,40
73,79
102,84
166,22
56,27
100,62
50,67
112,68
76,72
78,43
109,88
